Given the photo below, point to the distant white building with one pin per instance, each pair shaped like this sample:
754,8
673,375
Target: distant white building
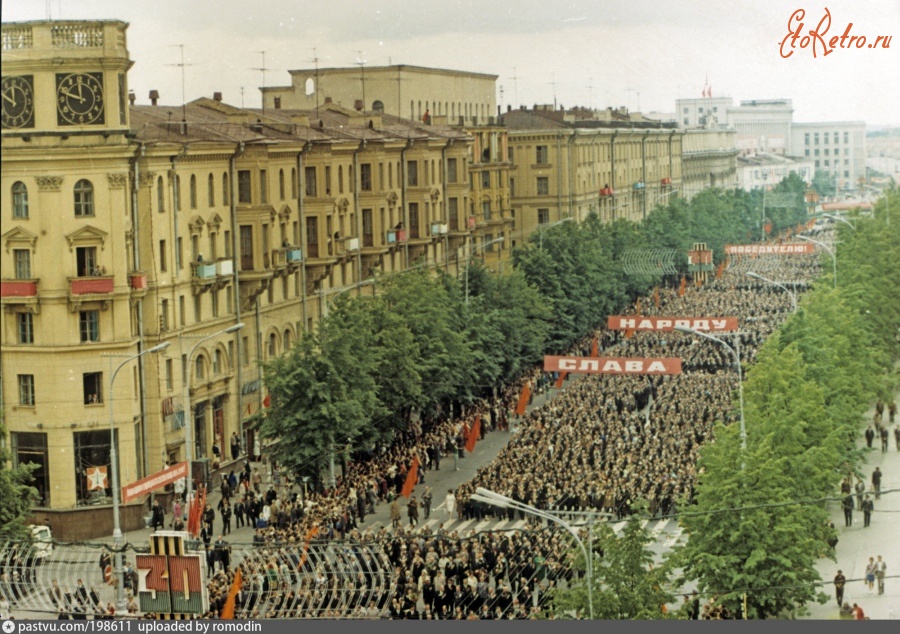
764,169
701,112
838,148
763,125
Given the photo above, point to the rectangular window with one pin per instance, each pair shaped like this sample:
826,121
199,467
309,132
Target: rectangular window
25,327
182,315
214,297
22,259
509,154
488,247
412,173
381,177
92,383
368,229
263,187
485,180
20,200
31,448
512,187
246,246
227,237
179,252
164,315
846,138
486,209
85,261
311,181
543,185
312,236
245,351
806,138
213,251
244,188
543,216
89,325
26,390
452,176
327,180
453,213
93,457
169,375
365,177
542,156
413,220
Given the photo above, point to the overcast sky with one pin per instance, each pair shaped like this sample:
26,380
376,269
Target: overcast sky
636,53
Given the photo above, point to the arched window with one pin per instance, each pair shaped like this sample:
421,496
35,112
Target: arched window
211,191
193,192
281,184
226,192
20,200
287,340
177,193
218,365
340,179
377,106
294,182
84,198
199,368
160,194
273,345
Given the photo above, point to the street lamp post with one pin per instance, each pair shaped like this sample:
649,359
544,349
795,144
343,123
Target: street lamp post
736,353
186,408
793,297
501,501
469,259
553,224
887,202
839,219
114,467
830,252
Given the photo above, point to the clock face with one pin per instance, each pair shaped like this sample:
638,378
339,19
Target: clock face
79,99
18,102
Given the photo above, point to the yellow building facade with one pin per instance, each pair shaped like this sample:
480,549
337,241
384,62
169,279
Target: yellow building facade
126,227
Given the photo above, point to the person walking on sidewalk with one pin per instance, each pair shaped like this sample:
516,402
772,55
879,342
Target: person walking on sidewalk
876,482
848,510
870,436
426,502
450,504
839,582
897,437
395,513
868,507
870,574
860,492
884,439
412,511
880,569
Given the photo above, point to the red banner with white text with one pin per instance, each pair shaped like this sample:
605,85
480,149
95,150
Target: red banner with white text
611,365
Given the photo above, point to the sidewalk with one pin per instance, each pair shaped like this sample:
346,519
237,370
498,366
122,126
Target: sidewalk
856,543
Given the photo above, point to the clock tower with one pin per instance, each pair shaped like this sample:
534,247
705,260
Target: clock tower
64,78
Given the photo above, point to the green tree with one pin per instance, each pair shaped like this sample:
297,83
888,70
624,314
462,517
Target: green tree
824,183
628,583
17,496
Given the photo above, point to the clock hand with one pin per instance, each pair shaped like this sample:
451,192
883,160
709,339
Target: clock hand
69,94
9,99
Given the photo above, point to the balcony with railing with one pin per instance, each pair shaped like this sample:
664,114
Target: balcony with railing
287,259
91,285
19,293
211,275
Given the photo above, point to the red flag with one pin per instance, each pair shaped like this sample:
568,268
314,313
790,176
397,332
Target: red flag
195,513
411,478
523,400
267,402
309,536
595,347
228,609
474,433
682,287
563,374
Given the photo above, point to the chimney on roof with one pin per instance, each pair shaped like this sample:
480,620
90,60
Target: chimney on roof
277,103
217,96
358,104
131,97
154,97
327,100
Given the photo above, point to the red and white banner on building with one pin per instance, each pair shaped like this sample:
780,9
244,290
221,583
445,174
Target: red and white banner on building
769,249
156,481
610,365
713,324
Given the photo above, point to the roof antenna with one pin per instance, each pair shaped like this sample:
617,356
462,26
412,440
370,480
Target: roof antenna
263,69
182,66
